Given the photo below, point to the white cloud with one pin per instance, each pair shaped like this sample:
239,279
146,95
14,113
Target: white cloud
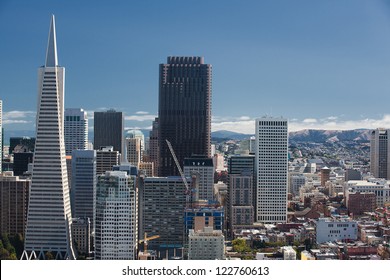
16,121
310,120
18,115
138,128
140,118
141,113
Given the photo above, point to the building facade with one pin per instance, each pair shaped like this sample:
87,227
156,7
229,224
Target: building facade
49,216
162,204
14,193
108,130
380,153
116,217
207,244
83,183
333,229
75,130
381,189
106,158
203,169
271,169
240,200
133,150
184,114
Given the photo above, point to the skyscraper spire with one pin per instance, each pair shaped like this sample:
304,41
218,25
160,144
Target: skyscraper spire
51,52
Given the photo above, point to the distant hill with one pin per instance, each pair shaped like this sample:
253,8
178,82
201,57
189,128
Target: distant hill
321,136
306,135
225,134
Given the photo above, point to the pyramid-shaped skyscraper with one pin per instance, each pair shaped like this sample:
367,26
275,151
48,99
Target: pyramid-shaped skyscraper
48,231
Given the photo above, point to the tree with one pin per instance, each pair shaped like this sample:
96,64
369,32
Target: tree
239,245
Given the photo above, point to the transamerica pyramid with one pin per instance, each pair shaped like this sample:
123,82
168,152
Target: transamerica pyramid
48,230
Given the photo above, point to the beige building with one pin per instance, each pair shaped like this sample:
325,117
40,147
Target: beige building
208,244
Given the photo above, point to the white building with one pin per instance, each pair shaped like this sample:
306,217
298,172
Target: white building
289,253
116,217
333,229
75,130
379,187
49,215
203,169
271,169
208,244
133,151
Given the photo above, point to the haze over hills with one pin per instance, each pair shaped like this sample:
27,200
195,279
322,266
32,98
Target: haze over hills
306,135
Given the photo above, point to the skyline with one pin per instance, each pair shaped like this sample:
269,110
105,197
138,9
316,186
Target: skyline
278,59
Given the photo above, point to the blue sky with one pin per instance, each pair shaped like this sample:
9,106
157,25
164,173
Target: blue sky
321,64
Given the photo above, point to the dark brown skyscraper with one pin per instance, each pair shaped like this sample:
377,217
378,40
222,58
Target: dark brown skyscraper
184,110
108,130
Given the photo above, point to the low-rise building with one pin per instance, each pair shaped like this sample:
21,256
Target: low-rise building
207,244
335,228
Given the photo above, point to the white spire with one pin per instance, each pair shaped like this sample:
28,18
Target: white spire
51,53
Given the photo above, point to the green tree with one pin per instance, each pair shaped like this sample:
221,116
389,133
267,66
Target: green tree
239,245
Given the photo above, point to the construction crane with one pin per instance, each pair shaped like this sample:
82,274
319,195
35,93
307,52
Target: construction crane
188,191
146,240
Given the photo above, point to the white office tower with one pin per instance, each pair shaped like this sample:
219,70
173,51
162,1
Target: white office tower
271,169
49,218
116,217
76,130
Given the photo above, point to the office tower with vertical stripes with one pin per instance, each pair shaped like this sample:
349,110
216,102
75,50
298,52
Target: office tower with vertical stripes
75,130
184,114
49,218
271,167
380,153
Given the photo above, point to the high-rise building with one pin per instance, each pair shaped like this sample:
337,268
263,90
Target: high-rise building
241,163
380,153
83,183
137,134
1,135
241,198
81,233
184,115
75,130
49,216
203,168
116,217
241,209
153,151
108,130
14,193
133,150
271,166
21,162
147,168
162,204
106,158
